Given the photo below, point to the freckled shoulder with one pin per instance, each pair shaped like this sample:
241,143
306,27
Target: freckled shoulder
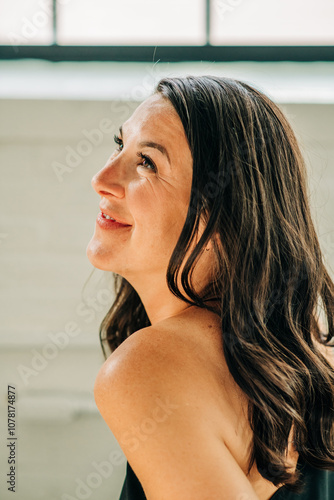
149,361
180,359
152,394
182,355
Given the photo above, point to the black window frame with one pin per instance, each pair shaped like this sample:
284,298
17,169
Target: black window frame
167,53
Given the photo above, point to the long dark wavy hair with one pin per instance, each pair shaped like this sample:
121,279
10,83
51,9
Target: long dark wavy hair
269,282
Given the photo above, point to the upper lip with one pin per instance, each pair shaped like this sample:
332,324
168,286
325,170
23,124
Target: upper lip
114,216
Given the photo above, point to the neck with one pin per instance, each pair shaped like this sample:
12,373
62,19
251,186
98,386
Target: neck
159,302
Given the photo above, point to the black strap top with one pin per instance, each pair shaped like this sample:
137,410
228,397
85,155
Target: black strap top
132,489
319,485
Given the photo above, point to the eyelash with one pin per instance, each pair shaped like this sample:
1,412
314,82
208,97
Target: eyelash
151,164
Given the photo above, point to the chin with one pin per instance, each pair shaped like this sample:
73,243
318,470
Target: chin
98,257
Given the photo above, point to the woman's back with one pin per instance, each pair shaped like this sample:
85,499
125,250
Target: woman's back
201,329
227,404
195,338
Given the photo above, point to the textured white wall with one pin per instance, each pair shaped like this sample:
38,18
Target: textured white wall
45,224
49,314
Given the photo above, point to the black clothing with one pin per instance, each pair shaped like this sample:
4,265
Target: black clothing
319,485
132,489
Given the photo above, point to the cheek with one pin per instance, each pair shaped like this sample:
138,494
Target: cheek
158,211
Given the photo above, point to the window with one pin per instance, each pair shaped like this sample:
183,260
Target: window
25,22
131,22
171,30
272,22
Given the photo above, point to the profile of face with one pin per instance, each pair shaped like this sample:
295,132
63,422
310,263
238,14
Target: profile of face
145,186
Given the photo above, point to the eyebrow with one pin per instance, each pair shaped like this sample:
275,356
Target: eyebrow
151,144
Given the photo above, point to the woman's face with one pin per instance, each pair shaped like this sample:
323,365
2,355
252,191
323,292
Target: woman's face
145,185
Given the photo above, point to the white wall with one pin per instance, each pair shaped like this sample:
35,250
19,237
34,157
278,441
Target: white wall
45,224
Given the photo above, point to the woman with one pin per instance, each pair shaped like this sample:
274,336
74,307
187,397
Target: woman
218,385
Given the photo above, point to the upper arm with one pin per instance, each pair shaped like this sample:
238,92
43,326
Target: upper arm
150,401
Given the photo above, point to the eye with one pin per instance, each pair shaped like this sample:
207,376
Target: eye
147,162
118,141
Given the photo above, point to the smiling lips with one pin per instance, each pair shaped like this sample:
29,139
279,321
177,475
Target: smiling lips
105,221
107,216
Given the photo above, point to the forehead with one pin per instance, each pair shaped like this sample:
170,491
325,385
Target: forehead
156,115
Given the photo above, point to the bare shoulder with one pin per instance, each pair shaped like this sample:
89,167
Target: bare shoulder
156,392
153,360
173,357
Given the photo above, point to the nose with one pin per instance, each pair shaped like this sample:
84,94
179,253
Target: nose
108,181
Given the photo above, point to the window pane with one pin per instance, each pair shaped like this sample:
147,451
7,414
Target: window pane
131,22
26,22
274,22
